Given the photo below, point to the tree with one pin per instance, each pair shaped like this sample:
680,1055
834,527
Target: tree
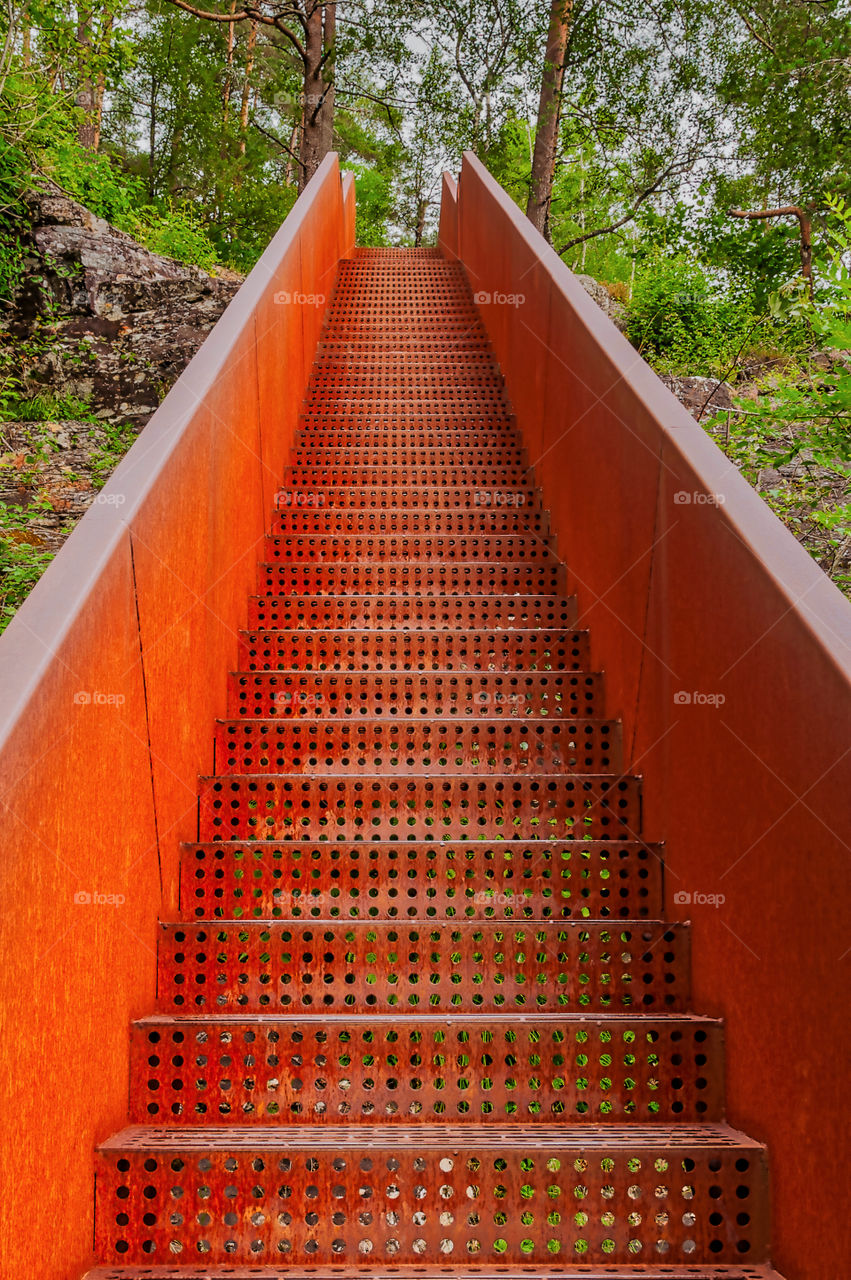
309,26
549,112
787,78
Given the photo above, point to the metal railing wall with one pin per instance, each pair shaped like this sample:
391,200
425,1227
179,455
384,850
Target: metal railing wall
726,651
111,675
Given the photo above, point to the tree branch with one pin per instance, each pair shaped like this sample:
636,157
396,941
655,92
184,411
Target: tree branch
805,230
249,14
630,214
760,39
246,15
277,141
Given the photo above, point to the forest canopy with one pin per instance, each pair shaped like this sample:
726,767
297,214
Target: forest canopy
621,127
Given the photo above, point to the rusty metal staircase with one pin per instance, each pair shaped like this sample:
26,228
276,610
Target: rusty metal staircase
421,1015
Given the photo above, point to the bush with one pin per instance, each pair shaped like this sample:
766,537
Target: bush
45,407
96,182
680,321
176,232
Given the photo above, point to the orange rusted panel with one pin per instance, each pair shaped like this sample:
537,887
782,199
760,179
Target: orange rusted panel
110,677
727,651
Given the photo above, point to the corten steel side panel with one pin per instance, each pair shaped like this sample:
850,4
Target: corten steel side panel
77,818
281,378
447,234
172,546
702,597
188,609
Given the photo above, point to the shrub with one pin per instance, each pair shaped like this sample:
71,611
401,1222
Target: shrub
176,232
680,321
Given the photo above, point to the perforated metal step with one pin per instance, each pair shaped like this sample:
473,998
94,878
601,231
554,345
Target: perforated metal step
386,807
474,1069
410,579
354,522
580,1272
472,880
371,649
504,695
402,496
434,748
445,613
421,1017
491,551
381,967
403,1194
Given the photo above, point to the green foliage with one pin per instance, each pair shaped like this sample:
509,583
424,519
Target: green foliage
12,259
96,182
374,202
803,422
788,90
177,232
45,407
23,558
118,439
683,322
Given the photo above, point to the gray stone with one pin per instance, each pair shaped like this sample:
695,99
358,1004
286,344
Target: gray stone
134,318
615,310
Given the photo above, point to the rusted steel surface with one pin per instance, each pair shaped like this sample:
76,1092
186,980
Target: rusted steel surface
292,806
717,633
418,1006
447,234
99,757
437,549
432,747
423,613
410,580
262,694
516,880
476,1069
364,649
412,497
358,966
494,519
429,1193
437,1272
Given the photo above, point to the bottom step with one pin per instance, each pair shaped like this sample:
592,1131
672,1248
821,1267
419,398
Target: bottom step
432,1273
425,1194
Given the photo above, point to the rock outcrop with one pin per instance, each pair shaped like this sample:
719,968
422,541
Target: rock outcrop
701,396
116,323
615,310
